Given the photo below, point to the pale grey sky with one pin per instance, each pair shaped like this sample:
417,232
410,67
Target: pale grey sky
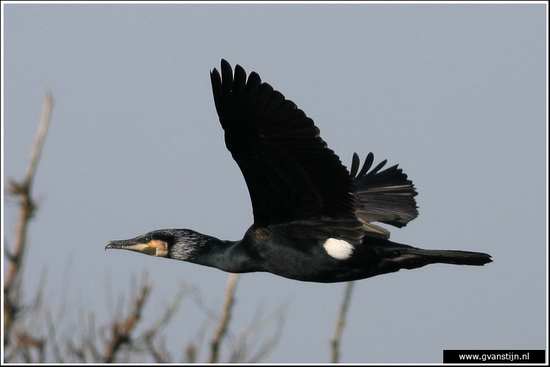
456,94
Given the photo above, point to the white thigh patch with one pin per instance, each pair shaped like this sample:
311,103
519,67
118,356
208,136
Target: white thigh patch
338,249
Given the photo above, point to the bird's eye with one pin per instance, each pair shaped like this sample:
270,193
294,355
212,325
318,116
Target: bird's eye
147,239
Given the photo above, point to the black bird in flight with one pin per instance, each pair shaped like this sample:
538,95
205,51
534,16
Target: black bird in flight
313,220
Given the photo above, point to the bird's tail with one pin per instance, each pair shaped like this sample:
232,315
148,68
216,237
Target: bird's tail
448,256
391,256
407,257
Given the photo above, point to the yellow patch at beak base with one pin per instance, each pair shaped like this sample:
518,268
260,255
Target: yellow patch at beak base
161,247
153,248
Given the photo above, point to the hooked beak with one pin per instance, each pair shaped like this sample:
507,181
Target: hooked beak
153,247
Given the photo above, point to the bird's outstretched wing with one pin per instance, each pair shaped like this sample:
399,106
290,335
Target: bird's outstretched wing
290,172
382,196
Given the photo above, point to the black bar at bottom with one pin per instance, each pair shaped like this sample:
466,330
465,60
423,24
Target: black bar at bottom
494,356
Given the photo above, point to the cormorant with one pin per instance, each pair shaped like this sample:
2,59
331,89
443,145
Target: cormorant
312,218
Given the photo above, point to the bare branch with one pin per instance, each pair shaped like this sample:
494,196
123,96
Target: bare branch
161,355
12,282
335,342
169,312
121,331
52,339
191,353
226,315
251,347
193,347
27,343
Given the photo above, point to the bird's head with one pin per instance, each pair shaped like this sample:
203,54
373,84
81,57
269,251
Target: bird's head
177,244
156,243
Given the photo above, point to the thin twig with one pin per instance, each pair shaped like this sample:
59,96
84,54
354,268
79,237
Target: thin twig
12,283
226,315
335,342
122,330
152,334
52,339
251,348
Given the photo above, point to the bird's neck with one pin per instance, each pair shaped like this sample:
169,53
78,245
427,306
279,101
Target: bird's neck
206,250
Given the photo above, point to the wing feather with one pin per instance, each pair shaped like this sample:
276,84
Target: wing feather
290,172
382,196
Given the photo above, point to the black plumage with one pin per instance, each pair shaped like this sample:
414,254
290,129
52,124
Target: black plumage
313,220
